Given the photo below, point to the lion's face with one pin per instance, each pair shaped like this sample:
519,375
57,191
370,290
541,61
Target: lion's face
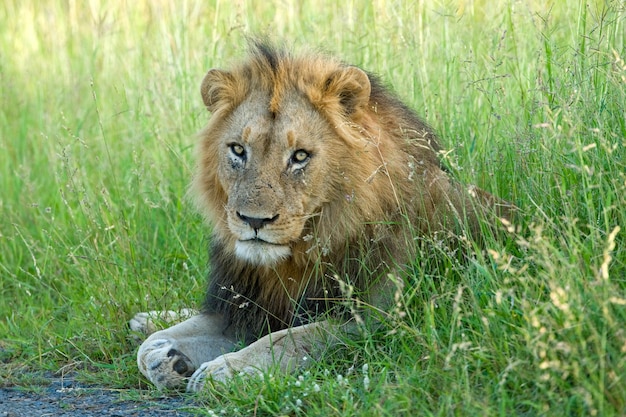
275,171
282,155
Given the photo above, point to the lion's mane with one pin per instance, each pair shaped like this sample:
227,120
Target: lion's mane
383,187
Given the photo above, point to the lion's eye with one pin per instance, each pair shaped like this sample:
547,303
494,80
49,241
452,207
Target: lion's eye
238,150
300,156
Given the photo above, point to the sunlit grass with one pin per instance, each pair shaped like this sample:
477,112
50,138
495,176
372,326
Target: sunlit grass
100,104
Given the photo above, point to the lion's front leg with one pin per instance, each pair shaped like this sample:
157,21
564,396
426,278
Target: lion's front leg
168,357
287,350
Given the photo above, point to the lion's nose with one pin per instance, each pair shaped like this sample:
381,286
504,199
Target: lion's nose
255,222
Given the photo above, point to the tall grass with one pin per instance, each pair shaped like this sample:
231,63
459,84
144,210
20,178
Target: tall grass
99,108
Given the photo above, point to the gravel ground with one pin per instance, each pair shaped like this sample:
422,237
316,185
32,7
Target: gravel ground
68,398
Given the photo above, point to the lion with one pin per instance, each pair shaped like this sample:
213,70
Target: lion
312,175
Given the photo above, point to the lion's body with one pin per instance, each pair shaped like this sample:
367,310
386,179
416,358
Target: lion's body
310,169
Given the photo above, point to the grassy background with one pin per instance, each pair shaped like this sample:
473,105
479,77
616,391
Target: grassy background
99,107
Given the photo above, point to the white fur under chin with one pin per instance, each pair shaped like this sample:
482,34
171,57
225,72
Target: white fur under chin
261,253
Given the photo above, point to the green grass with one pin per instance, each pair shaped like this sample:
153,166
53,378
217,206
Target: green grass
97,120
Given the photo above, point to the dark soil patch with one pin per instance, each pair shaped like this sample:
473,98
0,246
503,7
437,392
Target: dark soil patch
67,397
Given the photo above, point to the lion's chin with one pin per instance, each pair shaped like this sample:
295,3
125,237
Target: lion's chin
261,253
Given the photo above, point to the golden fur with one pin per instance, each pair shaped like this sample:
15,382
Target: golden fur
310,168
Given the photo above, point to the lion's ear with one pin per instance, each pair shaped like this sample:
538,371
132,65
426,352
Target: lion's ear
218,88
351,86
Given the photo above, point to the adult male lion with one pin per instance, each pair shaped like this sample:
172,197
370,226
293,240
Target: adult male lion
311,173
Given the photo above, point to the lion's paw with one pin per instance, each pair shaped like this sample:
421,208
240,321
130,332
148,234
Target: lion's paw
217,370
142,323
149,322
163,364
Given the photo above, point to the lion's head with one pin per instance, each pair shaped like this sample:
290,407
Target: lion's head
296,145
309,160
277,159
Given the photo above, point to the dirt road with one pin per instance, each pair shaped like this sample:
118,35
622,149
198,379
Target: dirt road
68,398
